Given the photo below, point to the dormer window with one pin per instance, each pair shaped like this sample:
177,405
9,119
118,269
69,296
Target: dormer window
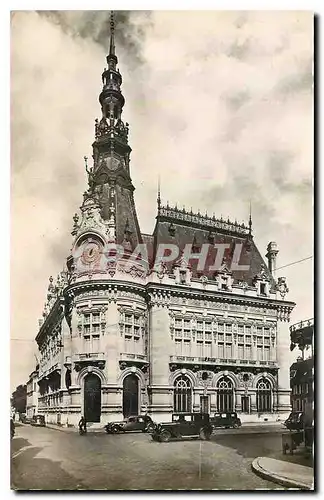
262,289
223,283
183,276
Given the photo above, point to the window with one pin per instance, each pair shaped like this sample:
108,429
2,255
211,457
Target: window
259,353
221,351
228,351
266,353
225,395
264,396
262,289
186,347
133,330
248,352
241,351
182,395
208,350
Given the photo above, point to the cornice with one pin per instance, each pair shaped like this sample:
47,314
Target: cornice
168,291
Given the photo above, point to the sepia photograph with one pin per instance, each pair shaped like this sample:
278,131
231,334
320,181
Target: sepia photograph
162,250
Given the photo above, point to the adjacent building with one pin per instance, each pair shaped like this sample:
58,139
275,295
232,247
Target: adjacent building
302,371
32,394
124,332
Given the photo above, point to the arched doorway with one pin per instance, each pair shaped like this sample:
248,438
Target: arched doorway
225,395
264,396
182,395
92,398
130,395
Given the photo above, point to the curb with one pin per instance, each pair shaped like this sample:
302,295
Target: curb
283,481
74,430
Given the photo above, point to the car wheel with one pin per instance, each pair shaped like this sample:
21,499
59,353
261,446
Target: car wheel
236,426
115,429
204,435
165,436
149,428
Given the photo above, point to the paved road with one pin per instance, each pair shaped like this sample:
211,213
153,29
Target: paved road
50,459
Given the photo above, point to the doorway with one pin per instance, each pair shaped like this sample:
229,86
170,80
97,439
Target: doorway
204,404
245,401
130,396
92,398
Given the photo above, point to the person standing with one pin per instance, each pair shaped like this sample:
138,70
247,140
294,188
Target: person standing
82,425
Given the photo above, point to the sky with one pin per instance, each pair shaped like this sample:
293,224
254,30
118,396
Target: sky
220,106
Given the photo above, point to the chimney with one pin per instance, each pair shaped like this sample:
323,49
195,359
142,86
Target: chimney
272,252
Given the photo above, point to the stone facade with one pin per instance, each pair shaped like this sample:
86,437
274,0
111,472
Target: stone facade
120,335
32,394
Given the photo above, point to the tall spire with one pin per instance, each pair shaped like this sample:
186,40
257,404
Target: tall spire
250,220
112,34
159,194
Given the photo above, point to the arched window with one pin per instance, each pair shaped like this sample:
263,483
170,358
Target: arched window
182,395
225,396
264,396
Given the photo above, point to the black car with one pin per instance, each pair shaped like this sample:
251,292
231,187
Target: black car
226,420
38,421
142,423
184,425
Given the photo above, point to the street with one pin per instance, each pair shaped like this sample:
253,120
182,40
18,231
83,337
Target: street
48,459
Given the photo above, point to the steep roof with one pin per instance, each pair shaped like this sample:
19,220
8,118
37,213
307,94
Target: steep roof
178,227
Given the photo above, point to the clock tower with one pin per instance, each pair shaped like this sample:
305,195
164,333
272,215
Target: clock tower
109,177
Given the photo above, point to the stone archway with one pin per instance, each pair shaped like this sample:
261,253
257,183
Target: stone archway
92,398
130,395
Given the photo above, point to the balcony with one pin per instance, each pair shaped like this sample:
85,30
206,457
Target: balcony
45,374
131,359
197,363
301,334
89,359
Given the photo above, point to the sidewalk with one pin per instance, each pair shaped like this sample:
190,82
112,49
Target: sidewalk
75,430
285,473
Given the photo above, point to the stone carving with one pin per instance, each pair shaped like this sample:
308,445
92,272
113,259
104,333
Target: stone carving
284,313
262,275
91,219
245,379
282,287
161,270
111,267
204,378
204,280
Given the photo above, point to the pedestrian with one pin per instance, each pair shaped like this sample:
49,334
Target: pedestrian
82,425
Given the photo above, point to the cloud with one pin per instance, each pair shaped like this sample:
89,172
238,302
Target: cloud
219,103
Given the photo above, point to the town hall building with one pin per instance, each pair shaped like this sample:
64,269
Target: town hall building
123,334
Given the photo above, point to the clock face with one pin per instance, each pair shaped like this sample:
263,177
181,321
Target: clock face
91,252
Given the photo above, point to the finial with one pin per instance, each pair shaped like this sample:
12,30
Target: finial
250,220
159,194
112,34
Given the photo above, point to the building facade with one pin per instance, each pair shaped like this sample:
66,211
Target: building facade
32,394
124,332
302,371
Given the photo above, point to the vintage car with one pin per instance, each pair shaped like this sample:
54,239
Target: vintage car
295,421
38,421
184,425
142,423
226,420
